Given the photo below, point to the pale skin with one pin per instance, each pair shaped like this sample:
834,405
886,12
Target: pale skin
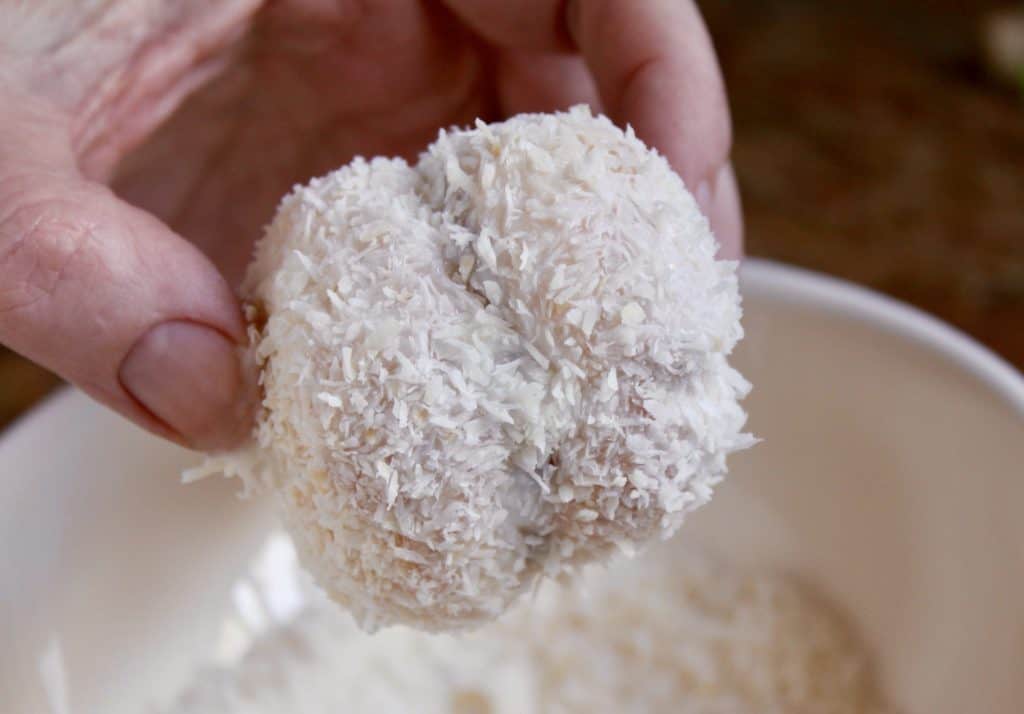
143,144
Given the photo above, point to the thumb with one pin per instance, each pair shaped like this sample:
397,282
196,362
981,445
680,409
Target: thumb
115,302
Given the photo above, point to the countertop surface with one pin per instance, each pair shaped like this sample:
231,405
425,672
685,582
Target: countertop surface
869,144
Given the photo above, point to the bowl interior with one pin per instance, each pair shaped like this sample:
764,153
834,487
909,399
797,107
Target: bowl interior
889,477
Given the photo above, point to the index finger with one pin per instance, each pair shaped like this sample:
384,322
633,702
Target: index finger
653,61
655,68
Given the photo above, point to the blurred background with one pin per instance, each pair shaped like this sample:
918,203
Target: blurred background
881,141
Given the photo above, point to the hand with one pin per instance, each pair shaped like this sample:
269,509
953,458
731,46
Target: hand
129,294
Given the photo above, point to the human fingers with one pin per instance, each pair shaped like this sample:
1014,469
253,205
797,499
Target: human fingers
531,81
655,68
111,299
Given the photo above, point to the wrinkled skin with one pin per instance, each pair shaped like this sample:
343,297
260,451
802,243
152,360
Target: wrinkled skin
202,114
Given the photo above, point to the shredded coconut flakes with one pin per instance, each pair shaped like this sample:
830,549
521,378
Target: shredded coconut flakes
500,363
672,633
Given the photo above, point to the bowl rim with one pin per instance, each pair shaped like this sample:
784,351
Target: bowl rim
795,285
788,283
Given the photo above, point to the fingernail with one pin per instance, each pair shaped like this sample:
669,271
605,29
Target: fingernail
703,195
718,198
190,377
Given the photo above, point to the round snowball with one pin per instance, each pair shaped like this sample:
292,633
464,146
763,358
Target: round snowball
503,362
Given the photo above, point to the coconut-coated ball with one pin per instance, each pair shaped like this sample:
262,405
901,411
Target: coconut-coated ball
501,363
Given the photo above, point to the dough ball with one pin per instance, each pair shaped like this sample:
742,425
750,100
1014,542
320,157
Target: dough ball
499,364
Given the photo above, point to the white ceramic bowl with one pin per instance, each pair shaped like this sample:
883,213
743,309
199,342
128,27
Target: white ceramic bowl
891,476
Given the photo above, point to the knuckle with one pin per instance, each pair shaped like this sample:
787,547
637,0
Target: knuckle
41,237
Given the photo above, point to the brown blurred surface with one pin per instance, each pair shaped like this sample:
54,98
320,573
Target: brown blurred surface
870,144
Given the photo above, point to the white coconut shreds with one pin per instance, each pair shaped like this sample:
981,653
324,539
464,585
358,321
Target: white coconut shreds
505,361
668,635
